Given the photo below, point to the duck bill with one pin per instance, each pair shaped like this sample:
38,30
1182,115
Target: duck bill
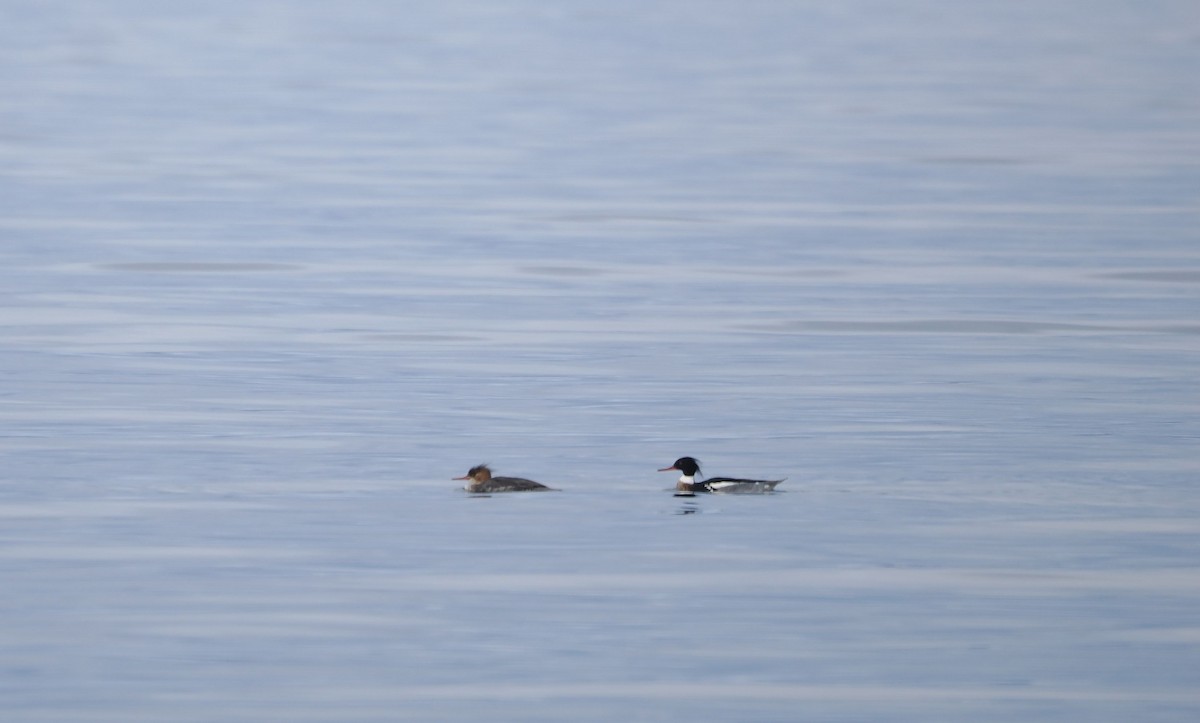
465,476
668,469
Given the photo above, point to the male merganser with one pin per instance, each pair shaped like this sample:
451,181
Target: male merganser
688,486
480,479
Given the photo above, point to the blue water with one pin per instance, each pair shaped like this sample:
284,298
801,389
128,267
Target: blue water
273,273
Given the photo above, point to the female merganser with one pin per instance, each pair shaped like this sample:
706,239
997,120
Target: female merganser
688,486
480,479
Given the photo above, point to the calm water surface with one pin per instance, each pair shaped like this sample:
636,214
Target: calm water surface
273,273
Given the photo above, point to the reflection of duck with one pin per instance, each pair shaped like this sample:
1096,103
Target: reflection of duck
688,485
480,479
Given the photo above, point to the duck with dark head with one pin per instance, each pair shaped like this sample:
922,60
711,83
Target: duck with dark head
687,486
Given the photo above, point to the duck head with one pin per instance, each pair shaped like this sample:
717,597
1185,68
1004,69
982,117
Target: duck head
478,473
689,466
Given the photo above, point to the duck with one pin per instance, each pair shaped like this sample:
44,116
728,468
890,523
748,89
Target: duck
687,486
479,479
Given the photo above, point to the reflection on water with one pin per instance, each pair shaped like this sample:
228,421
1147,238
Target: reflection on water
197,267
957,326
1181,276
271,269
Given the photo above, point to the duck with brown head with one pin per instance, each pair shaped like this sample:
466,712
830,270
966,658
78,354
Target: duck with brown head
480,480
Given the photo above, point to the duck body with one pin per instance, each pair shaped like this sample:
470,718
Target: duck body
689,467
480,480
